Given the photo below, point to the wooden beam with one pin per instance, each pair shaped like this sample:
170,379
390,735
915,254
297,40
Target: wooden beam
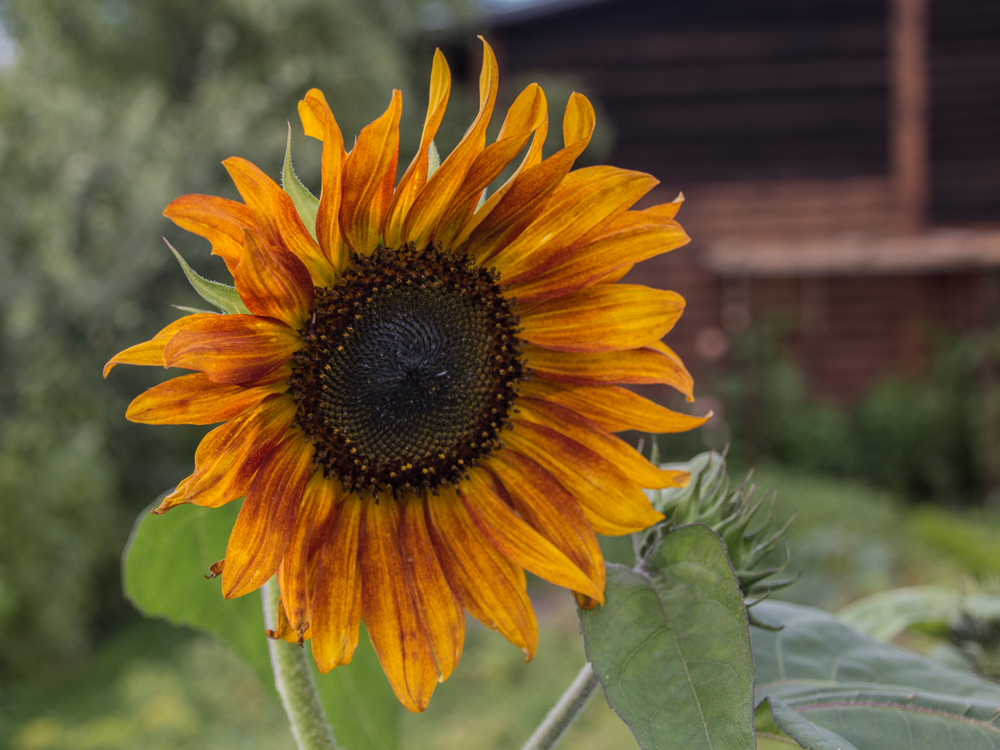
908,123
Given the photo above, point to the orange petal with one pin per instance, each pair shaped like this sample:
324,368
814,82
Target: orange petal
668,210
389,612
440,612
194,399
232,348
273,283
489,233
613,408
297,573
617,452
318,122
683,376
150,352
490,586
369,174
613,503
602,319
433,201
172,500
276,216
586,200
415,177
637,366
219,220
338,586
527,115
229,455
552,511
266,523
630,238
516,540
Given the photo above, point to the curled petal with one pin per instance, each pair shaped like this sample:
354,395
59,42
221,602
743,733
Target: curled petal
390,614
613,503
150,353
491,587
518,541
266,523
229,455
273,283
613,408
603,318
232,348
276,216
219,220
415,177
194,399
369,174
337,602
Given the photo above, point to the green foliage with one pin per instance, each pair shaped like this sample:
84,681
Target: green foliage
828,687
104,119
671,647
164,575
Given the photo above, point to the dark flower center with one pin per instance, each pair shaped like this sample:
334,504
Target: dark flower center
408,370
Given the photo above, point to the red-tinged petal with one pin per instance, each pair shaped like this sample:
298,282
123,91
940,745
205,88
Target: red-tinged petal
516,540
234,349
433,201
550,509
526,116
150,353
613,408
488,584
318,121
615,450
415,177
585,201
266,523
194,399
338,586
602,319
489,233
276,216
273,283
283,629
219,220
439,610
297,573
388,609
369,174
613,503
632,237
229,455
636,366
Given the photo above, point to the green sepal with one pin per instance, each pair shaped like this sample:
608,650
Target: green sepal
306,204
433,159
221,296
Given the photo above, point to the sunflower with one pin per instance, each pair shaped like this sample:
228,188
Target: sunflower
419,402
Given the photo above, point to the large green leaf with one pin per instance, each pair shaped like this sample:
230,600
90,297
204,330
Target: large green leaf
164,570
671,646
819,674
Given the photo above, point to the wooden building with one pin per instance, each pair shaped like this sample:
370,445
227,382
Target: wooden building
840,160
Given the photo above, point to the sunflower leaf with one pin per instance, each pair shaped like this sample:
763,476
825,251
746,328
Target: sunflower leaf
221,296
306,204
671,646
163,575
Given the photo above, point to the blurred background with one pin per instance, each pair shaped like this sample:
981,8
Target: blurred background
841,165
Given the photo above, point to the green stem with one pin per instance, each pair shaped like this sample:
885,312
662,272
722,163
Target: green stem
295,684
565,712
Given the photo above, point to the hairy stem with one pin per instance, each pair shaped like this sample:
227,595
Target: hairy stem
565,711
292,677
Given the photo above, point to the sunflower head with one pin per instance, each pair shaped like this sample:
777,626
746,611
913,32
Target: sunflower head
418,387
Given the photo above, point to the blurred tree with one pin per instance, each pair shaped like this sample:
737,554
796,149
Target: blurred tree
111,109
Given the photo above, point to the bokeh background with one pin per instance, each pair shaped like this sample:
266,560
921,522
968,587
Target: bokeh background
841,164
